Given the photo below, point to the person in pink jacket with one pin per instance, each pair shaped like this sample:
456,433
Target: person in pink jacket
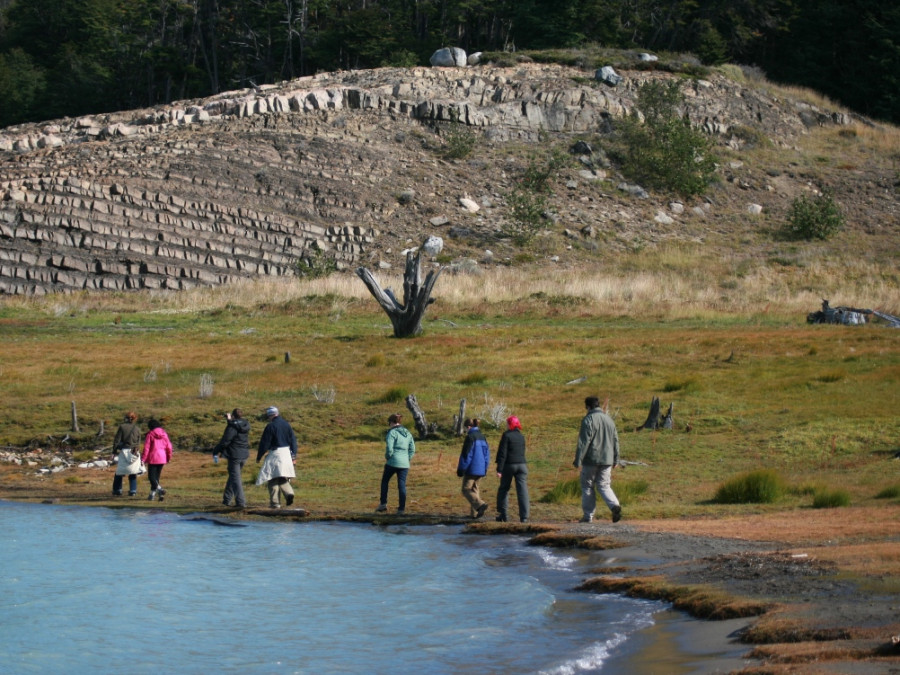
157,453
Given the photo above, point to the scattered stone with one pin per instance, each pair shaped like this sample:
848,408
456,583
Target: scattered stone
469,204
609,76
754,209
633,190
439,221
663,219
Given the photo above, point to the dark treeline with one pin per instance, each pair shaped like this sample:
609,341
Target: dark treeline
70,57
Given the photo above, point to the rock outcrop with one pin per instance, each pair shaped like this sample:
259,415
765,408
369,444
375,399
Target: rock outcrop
246,183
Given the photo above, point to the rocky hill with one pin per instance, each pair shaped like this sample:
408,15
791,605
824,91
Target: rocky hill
248,183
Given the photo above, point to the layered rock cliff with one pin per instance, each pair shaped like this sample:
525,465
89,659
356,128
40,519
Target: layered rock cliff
249,183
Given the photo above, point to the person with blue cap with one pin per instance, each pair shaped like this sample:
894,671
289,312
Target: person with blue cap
279,445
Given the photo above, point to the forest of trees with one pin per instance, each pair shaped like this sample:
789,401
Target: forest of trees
70,57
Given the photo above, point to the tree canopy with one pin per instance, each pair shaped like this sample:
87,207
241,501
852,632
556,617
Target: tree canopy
71,57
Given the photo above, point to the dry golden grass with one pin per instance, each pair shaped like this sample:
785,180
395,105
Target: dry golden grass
681,283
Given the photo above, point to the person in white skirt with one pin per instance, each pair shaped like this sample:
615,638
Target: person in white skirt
279,445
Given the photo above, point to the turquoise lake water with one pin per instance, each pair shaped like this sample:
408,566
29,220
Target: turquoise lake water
108,591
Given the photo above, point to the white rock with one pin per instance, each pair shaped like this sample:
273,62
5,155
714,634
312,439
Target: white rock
663,219
676,207
433,245
469,204
754,209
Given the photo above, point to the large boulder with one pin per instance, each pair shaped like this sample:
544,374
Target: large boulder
448,57
608,75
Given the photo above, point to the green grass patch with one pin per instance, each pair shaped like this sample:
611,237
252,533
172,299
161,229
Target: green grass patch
830,499
392,395
566,492
476,377
892,492
764,486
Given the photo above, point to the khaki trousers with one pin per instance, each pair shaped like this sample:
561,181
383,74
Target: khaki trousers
470,492
276,487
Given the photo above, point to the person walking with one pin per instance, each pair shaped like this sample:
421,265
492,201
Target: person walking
235,447
279,444
399,448
157,453
472,466
511,466
597,453
126,446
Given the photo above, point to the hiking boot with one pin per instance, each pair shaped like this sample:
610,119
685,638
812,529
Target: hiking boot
400,512
481,510
616,513
152,495
117,493
381,508
162,492
132,494
586,519
500,519
289,499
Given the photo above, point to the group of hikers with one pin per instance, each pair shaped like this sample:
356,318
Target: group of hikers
597,452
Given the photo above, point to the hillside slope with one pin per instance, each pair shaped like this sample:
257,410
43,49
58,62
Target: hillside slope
353,164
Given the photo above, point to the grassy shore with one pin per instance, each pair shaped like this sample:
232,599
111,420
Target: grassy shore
756,389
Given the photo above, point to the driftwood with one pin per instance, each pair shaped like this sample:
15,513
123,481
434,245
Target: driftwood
406,317
848,316
418,416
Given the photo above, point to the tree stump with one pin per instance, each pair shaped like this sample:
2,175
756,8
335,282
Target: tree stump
459,420
406,317
653,416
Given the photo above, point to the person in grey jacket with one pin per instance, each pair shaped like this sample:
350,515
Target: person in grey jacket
597,453
235,447
399,448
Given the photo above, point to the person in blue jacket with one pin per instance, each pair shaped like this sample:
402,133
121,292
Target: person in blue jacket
473,465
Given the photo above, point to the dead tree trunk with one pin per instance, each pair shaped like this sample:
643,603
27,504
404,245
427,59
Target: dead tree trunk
75,418
418,416
406,317
460,419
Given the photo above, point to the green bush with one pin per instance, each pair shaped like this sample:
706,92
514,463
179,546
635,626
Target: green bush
316,265
663,151
528,201
629,491
830,499
476,377
460,141
818,217
764,486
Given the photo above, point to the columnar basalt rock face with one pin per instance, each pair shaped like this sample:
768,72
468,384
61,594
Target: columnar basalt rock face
246,183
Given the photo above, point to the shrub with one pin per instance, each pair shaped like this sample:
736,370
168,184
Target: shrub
460,141
830,499
528,201
375,360
316,265
756,487
818,217
664,151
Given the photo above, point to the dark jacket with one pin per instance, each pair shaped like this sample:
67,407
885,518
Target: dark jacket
128,435
277,434
511,449
235,443
475,456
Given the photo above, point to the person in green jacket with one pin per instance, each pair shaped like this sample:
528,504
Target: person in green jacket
399,449
597,453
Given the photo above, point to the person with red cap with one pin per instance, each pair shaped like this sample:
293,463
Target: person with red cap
511,465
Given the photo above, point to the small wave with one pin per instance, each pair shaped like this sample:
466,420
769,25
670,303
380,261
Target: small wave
555,561
590,660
